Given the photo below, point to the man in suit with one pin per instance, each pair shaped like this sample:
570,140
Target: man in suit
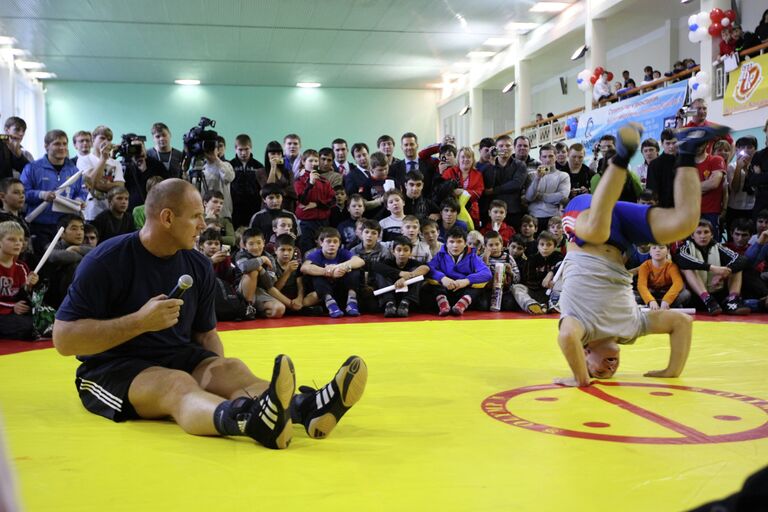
409,143
340,151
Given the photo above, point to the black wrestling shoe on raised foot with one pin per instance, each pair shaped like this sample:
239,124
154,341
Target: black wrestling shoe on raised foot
267,418
735,306
713,308
320,410
628,140
689,139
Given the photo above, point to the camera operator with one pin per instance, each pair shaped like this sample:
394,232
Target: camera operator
13,157
139,168
506,180
218,174
101,172
169,157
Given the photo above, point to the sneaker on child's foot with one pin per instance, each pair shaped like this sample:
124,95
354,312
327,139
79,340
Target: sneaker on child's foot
689,139
713,308
390,310
320,410
402,309
735,306
334,311
352,309
443,306
267,418
535,309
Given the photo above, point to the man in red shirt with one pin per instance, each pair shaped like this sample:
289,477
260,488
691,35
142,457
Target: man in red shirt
712,177
699,106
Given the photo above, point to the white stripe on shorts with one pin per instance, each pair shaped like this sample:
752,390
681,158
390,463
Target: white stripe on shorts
102,394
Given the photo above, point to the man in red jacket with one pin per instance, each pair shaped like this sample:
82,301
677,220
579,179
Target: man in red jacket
316,197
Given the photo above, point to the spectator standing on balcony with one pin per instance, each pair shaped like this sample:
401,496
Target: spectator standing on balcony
743,40
647,75
762,28
602,89
727,45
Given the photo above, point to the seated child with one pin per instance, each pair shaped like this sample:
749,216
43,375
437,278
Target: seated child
430,232
335,273
272,201
339,211
712,272
555,226
15,309
528,228
289,287
537,276
449,217
396,270
497,211
392,226
209,243
458,274
659,282
419,249
13,199
138,213
415,202
213,202
347,228
369,249
257,274
517,249
476,242
495,253
65,258
91,235
115,221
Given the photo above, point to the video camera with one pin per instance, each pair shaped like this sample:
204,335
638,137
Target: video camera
127,149
198,140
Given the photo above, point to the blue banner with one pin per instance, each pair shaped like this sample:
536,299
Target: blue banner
654,110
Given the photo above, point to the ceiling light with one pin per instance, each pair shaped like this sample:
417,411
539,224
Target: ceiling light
462,21
29,64
497,41
579,53
480,54
186,81
308,85
549,7
4,40
511,85
515,26
685,1
42,75
464,111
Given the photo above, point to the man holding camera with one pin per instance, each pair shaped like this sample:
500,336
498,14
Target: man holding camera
101,172
549,188
138,169
505,180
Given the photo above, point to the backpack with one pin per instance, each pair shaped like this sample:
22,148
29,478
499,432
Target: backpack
229,304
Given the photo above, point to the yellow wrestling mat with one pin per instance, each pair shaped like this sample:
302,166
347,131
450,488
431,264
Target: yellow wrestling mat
458,415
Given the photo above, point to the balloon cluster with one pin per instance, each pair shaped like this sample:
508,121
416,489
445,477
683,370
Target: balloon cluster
709,23
571,125
586,78
699,85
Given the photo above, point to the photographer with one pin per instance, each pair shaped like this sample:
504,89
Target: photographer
101,172
206,170
13,157
506,180
139,168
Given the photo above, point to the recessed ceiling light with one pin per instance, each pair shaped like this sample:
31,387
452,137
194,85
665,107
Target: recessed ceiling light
511,85
308,85
549,7
685,1
186,81
42,75
29,64
480,55
497,41
515,26
464,111
4,40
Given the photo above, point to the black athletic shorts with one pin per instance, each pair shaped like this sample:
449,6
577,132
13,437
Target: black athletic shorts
103,383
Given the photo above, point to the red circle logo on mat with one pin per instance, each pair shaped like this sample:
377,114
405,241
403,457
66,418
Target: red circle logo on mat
715,416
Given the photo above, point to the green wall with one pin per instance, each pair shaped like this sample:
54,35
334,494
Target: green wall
265,113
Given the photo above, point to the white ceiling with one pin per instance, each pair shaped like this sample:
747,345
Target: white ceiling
340,43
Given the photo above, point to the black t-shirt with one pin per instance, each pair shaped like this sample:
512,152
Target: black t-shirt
110,226
136,180
120,276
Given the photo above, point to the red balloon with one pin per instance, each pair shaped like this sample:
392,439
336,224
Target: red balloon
730,14
610,76
715,29
592,79
716,15
599,70
567,128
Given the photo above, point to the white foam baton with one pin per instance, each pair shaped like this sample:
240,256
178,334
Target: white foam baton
49,250
31,216
687,311
392,287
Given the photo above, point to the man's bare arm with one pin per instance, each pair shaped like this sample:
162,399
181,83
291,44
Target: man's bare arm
209,340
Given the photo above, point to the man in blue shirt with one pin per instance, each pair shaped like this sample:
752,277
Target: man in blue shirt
145,355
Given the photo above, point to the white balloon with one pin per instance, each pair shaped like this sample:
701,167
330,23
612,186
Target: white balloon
702,33
692,20
692,36
702,77
725,22
703,19
701,92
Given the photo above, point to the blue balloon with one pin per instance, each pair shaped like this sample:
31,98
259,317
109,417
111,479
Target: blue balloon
579,80
693,28
695,86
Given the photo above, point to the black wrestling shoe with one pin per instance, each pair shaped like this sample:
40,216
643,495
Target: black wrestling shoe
403,309
320,410
689,139
735,306
267,418
713,308
390,311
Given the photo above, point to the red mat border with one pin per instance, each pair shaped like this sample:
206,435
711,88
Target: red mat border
13,346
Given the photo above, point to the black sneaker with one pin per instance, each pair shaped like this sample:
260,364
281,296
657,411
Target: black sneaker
403,309
267,418
713,308
320,410
735,306
689,139
390,311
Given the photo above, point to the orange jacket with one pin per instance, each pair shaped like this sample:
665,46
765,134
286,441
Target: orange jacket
651,277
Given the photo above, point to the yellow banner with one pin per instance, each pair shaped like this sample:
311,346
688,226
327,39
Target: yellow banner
747,88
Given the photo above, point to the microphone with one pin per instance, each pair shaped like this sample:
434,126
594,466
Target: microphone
185,282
